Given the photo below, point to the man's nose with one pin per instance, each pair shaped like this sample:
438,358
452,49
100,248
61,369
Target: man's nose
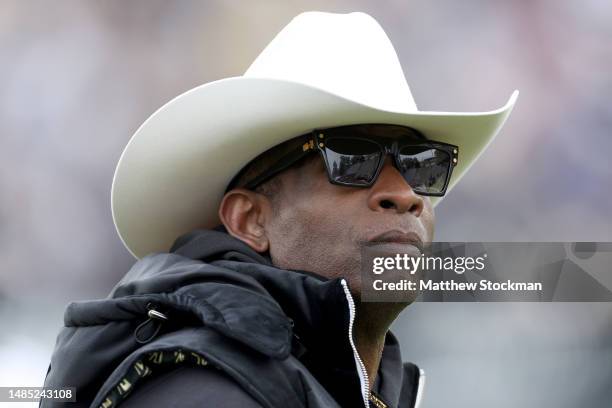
391,192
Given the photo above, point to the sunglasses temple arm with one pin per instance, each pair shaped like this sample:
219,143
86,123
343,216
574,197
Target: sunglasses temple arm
277,168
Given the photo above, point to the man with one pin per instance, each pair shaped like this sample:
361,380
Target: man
315,152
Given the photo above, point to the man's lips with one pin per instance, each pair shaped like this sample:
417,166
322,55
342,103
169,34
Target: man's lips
398,237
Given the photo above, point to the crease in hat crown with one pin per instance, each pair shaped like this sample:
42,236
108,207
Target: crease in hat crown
349,55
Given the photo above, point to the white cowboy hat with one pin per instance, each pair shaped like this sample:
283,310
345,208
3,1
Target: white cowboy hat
321,70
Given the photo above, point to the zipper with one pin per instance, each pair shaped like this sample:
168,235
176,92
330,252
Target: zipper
363,374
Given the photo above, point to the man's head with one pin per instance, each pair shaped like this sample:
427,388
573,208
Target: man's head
322,69
308,223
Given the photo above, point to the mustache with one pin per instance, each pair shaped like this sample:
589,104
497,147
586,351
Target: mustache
406,232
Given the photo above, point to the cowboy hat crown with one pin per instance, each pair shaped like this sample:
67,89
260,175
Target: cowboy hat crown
346,54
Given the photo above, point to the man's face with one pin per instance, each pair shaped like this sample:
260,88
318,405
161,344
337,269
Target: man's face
321,227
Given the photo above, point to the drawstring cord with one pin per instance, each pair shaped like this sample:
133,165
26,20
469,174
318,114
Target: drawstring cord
156,318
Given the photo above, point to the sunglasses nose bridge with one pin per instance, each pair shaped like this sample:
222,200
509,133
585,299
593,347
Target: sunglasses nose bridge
391,149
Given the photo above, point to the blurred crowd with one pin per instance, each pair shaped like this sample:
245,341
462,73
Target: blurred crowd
79,77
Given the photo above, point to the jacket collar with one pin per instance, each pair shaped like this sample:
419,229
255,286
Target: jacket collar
316,307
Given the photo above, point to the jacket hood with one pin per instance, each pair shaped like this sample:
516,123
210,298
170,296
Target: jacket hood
211,278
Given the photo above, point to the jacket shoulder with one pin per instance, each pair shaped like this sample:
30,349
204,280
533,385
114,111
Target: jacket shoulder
269,381
190,387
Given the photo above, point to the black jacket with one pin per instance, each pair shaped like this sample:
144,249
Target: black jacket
215,324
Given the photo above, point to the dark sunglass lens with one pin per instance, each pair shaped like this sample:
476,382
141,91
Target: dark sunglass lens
425,168
352,161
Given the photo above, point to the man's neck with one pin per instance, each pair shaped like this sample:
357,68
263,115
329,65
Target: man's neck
372,323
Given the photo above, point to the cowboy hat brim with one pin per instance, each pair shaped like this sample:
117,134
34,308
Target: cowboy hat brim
173,172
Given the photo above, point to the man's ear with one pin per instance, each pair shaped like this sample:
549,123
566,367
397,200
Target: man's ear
243,213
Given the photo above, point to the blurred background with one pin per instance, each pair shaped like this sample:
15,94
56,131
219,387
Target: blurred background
79,77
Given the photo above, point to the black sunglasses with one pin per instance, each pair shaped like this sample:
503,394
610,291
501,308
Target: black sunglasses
354,157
